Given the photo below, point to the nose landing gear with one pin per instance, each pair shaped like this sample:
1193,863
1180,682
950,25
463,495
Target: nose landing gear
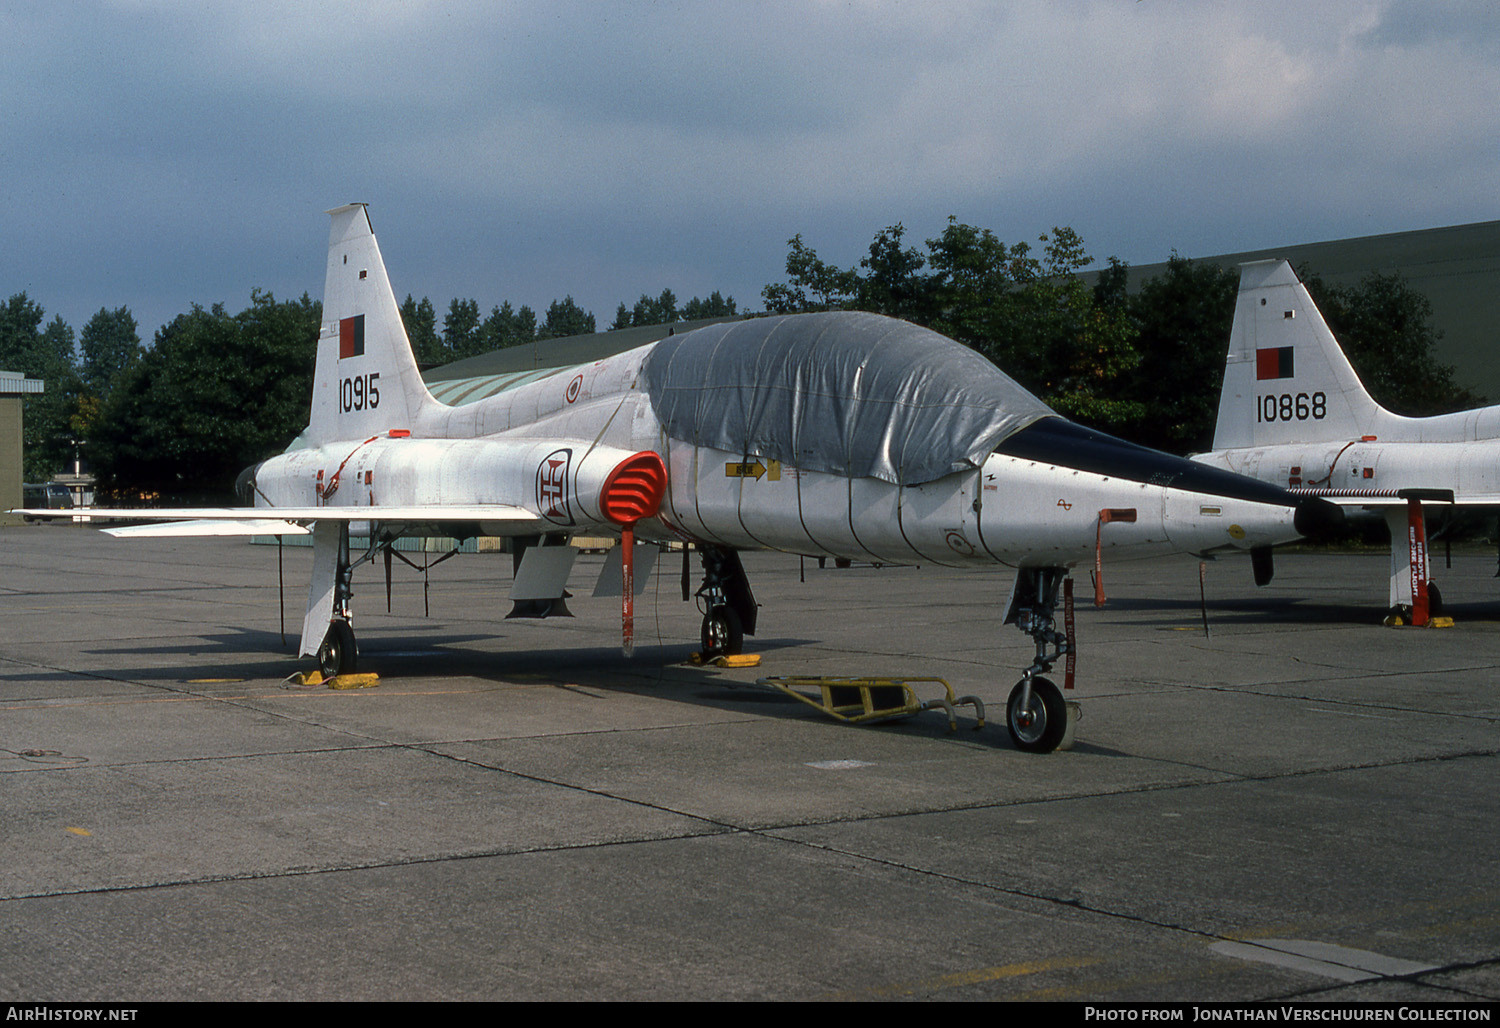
1038,717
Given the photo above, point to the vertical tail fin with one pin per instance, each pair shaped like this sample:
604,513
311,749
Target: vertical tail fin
1286,379
366,380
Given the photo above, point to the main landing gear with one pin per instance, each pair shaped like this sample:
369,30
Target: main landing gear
726,601
1036,714
338,653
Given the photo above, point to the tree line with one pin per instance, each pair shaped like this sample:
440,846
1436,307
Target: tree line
1145,365
217,391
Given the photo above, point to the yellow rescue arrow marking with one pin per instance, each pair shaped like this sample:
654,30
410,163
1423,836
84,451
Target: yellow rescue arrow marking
754,469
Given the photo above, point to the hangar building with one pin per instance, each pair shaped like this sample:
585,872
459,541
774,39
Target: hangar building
13,386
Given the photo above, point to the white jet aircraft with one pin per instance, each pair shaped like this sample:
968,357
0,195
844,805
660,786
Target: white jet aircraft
1292,412
840,435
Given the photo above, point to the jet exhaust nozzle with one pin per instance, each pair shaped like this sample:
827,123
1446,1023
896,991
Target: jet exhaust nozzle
244,484
1316,518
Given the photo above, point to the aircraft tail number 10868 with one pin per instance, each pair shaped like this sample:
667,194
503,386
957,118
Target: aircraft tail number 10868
1292,412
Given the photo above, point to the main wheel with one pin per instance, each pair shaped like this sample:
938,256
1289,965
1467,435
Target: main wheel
337,655
1038,726
723,635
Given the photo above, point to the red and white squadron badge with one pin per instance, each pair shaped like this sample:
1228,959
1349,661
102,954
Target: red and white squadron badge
552,487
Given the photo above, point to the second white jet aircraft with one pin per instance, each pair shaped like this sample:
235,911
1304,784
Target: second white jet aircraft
1293,413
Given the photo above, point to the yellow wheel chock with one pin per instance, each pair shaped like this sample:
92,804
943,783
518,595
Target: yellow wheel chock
857,701
349,681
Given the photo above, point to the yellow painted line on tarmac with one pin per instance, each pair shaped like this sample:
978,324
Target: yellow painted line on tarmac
1099,990
78,831
1442,916
1454,927
975,977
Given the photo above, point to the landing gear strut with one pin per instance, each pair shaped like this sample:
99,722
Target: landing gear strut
1036,713
338,654
726,601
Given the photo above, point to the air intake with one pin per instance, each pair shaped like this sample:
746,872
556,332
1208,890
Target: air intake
634,489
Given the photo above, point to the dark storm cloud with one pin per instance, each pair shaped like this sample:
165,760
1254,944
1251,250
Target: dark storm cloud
157,154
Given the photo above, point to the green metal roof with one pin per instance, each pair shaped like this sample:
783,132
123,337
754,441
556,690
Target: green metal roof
1456,267
556,353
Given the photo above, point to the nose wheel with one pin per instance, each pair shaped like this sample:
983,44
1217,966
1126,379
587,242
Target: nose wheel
1037,715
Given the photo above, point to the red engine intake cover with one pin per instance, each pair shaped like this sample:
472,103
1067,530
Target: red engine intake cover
634,489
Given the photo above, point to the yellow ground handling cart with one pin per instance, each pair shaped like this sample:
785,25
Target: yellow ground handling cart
862,700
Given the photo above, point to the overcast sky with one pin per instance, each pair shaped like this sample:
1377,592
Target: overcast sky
156,153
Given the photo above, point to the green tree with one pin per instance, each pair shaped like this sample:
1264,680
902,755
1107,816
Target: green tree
716,306
49,438
420,320
507,326
214,394
566,318
461,336
46,354
648,310
659,311
812,284
1030,314
1034,317
1183,318
893,284
108,344
1385,328
20,329
663,310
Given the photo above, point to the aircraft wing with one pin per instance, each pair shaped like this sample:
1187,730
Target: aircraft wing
219,521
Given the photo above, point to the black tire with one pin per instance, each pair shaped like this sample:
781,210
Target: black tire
338,655
1039,727
1434,600
723,635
